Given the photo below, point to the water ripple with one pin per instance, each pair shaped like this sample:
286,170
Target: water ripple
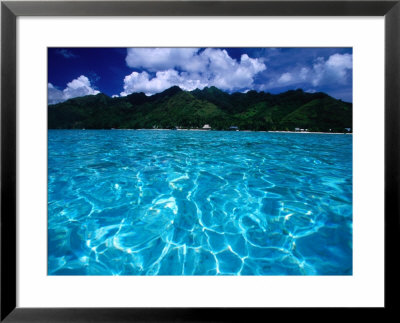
199,203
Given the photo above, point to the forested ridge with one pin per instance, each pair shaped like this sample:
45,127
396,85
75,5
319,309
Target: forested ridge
176,108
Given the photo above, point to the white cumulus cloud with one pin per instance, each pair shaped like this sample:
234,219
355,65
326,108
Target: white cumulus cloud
340,61
189,68
156,59
285,78
54,95
334,70
80,86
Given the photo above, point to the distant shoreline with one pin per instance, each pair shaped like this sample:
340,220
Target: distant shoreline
275,131
207,130
317,132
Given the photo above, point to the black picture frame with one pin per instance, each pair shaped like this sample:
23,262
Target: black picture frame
10,10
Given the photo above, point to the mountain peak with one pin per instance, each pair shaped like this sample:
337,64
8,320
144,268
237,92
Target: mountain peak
172,90
212,89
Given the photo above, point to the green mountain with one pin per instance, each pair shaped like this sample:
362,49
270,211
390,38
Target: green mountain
193,109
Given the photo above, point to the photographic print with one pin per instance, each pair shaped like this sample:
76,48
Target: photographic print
200,161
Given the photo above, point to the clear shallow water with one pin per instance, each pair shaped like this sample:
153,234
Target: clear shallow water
199,203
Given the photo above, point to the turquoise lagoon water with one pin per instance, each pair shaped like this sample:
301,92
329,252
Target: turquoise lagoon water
152,202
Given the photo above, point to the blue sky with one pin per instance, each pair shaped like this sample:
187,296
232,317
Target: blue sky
74,72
